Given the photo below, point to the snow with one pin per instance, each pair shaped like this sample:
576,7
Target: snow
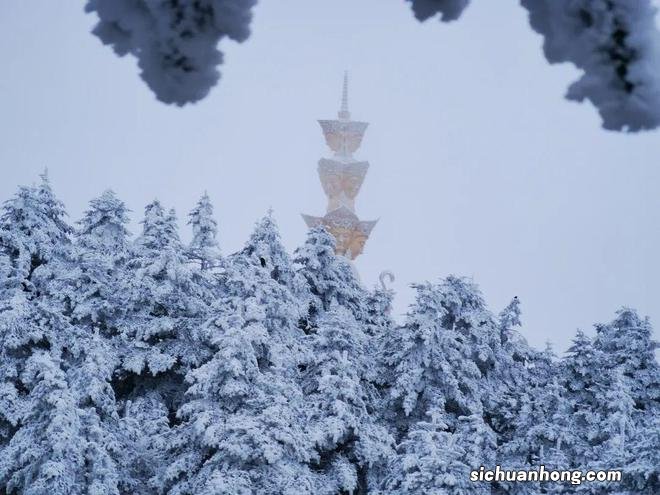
617,45
148,366
175,42
614,42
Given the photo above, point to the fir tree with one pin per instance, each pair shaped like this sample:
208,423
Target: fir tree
439,361
263,270
56,441
430,461
329,278
242,425
241,431
46,454
204,245
166,302
342,404
627,343
35,245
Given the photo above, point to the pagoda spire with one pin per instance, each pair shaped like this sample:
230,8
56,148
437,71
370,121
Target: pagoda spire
342,177
344,114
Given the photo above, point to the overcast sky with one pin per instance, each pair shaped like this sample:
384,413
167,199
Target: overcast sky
478,165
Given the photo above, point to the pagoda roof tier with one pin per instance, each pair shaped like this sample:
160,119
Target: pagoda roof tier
350,233
343,136
341,217
342,180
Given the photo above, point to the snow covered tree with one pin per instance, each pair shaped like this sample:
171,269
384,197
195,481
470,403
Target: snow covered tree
100,255
378,324
46,454
510,375
614,42
342,404
243,428
204,245
263,270
143,427
166,301
125,369
430,461
329,278
103,227
33,231
264,249
52,408
627,343
627,403
379,308
540,431
642,470
34,238
439,362
432,355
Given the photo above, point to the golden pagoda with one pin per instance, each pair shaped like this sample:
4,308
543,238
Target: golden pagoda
341,177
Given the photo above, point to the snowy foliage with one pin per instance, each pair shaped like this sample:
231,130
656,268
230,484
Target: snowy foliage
449,10
148,367
204,245
614,42
617,45
175,42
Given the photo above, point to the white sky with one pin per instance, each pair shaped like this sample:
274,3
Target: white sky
478,165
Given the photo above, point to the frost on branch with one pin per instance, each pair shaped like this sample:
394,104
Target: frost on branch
615,43
449,10
175,42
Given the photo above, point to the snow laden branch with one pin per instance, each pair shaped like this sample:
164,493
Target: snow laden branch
449,10
142,365
175,42
616,44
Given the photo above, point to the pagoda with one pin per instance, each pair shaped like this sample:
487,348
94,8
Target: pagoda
341,177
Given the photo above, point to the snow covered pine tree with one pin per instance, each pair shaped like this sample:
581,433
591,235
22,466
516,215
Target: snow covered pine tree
148,367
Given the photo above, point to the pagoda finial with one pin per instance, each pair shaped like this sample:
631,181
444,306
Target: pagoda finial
344,114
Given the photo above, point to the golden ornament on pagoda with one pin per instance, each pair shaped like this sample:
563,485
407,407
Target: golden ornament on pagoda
341,177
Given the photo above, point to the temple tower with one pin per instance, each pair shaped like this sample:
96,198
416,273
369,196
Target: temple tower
341,177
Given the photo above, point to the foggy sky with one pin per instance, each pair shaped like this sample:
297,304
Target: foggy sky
479,167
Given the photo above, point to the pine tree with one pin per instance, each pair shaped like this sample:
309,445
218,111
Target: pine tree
34,239
263,270
46,454
204,245
329,278
54,438
643,476
439,362
541,432
342,404
241,431
508,379
378,320
429,460
242,427
627,343
626,402
103,227
166,301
